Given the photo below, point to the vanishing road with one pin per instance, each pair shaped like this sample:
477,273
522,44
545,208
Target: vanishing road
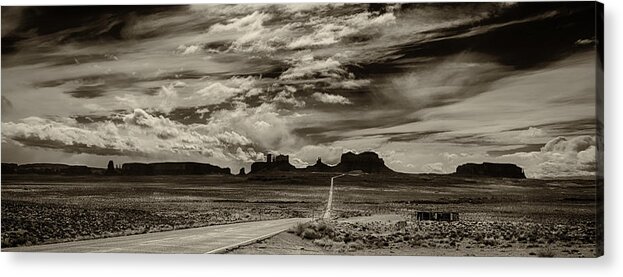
211,239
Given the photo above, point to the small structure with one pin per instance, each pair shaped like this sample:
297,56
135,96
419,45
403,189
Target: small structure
437,216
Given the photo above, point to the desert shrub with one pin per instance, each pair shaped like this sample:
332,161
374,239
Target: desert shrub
312,230
310,233
323,227
546,253
490,242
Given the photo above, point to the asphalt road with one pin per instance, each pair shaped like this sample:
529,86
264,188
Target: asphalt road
212,239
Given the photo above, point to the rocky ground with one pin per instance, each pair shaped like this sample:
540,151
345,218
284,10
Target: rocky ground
460,238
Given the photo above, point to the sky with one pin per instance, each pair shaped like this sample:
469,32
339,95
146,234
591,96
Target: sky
427,86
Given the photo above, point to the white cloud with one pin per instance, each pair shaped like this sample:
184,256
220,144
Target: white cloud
250,34
252,22
330,30
560,157
331,98
349,84
188,49
164,101
573,145
262,124
140,133
219,92
202,112
287,97
307,67
233,138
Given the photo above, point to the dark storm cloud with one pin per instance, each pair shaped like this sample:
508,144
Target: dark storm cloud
73,23
548,34
523,36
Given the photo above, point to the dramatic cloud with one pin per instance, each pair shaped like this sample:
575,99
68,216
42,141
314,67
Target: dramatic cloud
309,68
562,157
328,30
217,93
249,23
427,86
142,134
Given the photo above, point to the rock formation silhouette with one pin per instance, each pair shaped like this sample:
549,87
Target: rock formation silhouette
172,168
368,162
278,163
491,170
9,168
110,169
48,169
319,166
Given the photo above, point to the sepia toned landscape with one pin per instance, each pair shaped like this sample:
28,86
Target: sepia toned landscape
424,129
373,214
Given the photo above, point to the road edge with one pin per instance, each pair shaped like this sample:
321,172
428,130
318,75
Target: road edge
225,249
